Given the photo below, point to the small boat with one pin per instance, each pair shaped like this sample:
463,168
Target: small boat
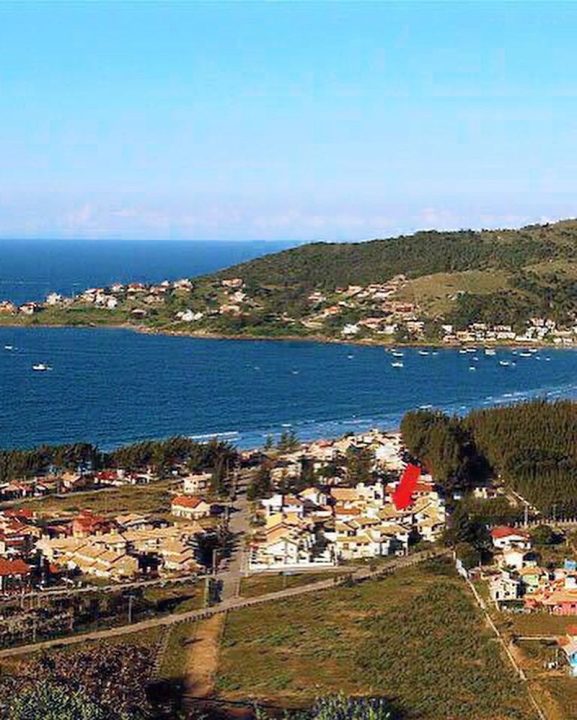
490,351
397,353
471,350
463,351
423,352
397,365
525,353
472,367
8,347
41,367
504,363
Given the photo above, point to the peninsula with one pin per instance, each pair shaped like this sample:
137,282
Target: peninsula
491,286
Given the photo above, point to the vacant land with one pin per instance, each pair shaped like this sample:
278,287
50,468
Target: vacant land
146,499
263,584
415,637
436,293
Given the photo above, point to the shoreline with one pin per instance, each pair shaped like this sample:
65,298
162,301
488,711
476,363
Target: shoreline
321,339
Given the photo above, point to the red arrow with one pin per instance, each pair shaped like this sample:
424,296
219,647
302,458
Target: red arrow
403,495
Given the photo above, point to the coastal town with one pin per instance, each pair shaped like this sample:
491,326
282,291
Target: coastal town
379,312
287,508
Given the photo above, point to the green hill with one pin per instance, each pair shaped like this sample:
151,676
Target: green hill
330,265
404,289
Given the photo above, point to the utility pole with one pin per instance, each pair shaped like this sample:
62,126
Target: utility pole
526,514
130,601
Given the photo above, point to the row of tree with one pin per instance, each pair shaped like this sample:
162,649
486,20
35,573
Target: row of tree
160,455
531,447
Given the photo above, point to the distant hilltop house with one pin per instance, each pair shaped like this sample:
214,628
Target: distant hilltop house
233,283
190,507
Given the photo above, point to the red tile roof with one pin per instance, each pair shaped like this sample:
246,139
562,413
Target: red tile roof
13,567
188,501
503,531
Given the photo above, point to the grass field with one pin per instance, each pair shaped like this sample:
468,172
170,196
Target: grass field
147,499
175,659
434,292
558,696
263,584
415,637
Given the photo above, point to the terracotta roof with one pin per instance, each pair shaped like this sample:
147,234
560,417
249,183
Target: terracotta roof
13,567
503,531
188,501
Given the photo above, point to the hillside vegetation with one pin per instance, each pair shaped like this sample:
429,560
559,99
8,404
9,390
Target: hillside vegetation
530,447
426,287
330,265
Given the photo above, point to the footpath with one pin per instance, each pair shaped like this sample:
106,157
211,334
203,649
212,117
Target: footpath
231,603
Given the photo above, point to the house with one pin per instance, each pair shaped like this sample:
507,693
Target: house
190,507
177,557
514,557
133,521
87,523
196,483
14,575
504,537
531,577
568,645
505,586
556,601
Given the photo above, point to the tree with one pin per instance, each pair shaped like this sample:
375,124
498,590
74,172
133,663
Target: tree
544,535
468,554
261,484
288,441
359,464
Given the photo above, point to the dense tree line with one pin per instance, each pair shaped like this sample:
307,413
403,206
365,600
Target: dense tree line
215,455
330,265
531,447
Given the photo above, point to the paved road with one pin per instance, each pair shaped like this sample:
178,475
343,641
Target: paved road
233,603
239,524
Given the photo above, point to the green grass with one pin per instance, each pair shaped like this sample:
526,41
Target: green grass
146,499
174,662
416,637
263,584
434,292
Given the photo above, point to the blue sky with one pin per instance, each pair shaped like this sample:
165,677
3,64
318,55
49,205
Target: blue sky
296,120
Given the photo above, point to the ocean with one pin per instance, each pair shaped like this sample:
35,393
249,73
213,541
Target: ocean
30,269
112,386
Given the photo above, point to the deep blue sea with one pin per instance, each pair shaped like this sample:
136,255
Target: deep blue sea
30,269
115,386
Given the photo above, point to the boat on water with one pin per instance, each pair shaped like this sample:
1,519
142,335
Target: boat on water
423,352
397,365
490,351
8,347
41,367
397,353
525,353
504,363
